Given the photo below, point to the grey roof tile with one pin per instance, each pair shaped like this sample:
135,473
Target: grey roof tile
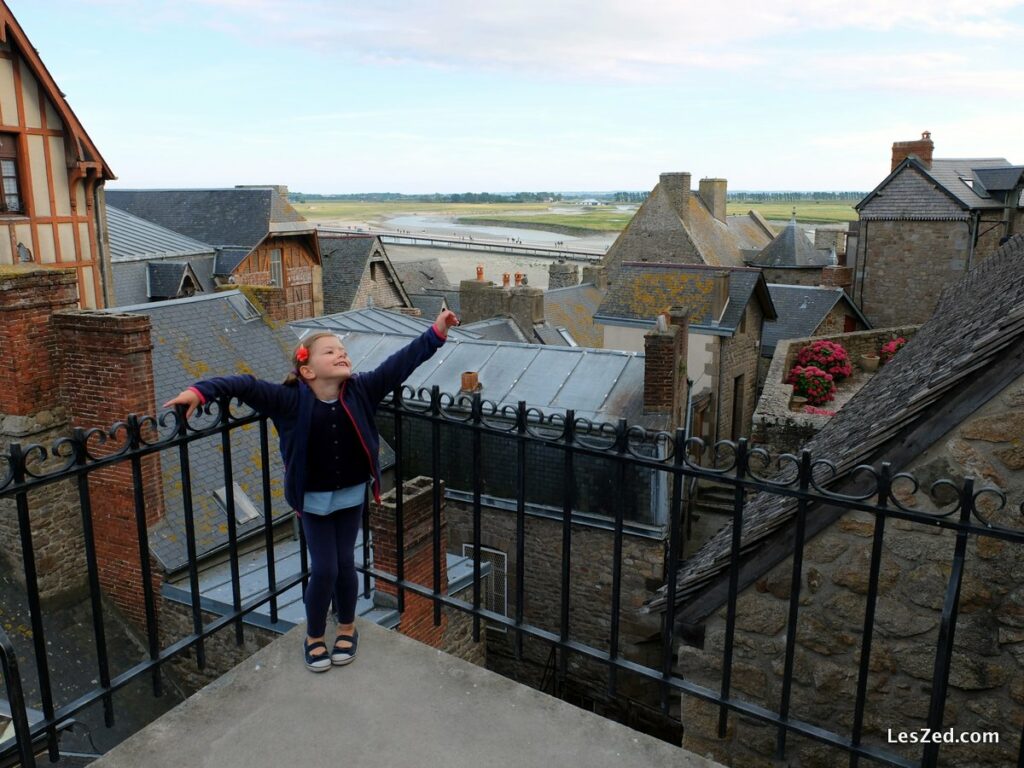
573,308
496,329
132,238
791,248
166,278
417,276
373,320
801,309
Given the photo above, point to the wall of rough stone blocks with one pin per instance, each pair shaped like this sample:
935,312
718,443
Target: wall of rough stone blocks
740,357
643,566
803,276
377,287
987,677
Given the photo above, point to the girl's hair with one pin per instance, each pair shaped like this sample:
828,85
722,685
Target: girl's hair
292,379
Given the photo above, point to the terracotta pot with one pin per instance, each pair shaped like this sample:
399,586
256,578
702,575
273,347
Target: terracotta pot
869,363
797,402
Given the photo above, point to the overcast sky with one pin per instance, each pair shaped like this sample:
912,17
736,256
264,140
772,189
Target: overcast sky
463,95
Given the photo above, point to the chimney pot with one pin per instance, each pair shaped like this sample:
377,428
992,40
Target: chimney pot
506,278
480,272
470,381
519,278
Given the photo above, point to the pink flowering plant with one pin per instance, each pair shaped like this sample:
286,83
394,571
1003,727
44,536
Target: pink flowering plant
890,348
829,356
818,411
813,383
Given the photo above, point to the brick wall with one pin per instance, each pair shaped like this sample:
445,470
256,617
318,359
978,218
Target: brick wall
270,302
107,364
665,370
796,276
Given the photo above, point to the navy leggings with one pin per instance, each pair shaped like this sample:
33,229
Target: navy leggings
331,541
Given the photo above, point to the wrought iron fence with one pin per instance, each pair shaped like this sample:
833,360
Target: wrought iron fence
807,482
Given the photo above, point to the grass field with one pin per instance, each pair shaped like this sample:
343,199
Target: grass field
603,218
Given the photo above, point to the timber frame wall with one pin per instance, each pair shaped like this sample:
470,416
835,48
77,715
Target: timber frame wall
60,173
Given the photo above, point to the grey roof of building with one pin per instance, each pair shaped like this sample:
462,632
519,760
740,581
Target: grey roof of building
801,309
344,260
221,217
228,259
417,276
600,385
166,277
573,308
909,191
196,338
451,296
496,329
643,290
977,323
132,238
373,320
546,334
791,248
430,304
999,179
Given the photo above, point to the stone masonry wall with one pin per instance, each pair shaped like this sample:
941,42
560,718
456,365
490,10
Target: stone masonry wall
986,690
781,430
808,276
377,286
590,606
740,356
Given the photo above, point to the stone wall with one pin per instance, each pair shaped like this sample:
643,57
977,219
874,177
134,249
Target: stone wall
643,566
740,356
795,276
378,286
986,690
781,430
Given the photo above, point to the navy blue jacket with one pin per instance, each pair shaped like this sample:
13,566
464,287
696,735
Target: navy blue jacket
291,407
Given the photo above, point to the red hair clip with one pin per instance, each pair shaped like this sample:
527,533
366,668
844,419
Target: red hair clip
302,354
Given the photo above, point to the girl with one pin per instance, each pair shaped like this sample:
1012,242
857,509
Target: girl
324,418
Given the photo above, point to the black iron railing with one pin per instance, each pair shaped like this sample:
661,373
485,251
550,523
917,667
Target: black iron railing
629,448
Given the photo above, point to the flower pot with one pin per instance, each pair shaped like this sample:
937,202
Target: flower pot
869,363
797,402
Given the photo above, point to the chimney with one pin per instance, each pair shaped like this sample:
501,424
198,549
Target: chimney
830,238
506,279
676,186
665,367
719,294
470,381
712,192
526,306
480,272
481,300
836,276
562,275
921,149
596,275
417,620
519,279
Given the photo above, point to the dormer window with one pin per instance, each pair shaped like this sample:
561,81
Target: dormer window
10,200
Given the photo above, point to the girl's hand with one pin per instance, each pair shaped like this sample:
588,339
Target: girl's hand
189,398
445,320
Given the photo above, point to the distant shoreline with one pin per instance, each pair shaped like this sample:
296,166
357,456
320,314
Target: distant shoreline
561,229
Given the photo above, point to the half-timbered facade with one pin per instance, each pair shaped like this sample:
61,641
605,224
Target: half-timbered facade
52,175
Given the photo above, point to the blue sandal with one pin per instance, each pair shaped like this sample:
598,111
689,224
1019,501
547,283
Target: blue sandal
342,656
319,663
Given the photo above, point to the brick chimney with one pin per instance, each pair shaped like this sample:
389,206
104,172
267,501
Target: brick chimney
269,301
676,186
562,275
665,366
31,413
921,149
417,620
713,193
836,276
596,275
107,360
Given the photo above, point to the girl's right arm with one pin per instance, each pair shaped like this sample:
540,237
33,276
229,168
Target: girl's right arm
269,399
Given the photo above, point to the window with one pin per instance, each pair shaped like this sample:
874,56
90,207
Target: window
10,200
276,272
494,586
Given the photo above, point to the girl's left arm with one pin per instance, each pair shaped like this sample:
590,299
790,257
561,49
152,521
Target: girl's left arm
390,374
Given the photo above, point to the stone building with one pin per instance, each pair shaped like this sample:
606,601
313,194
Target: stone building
152,263
259,238
357,273
791,259
52,210
676,225
727,308
929,222
947,406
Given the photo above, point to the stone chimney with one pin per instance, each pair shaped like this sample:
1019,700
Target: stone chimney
526,307
482,300
417,620
665,366
713,193
676,186
719,294
596,275
921,149
836,276
562,275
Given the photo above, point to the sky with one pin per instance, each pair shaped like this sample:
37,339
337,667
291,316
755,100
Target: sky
330,96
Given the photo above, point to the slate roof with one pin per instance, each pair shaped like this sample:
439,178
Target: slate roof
165,278
977,322
791,248
573,308
417,276
643,290
133,239
452,297
496,329
657,233
909,192
430,304
801,309
240,217
373,320
228,259
196,338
